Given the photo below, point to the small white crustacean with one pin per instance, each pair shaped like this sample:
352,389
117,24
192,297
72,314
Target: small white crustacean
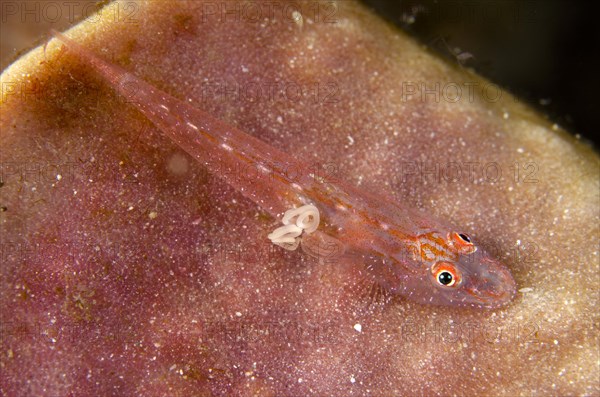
303,219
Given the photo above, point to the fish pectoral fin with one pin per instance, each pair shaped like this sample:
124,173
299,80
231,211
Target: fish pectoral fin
323,247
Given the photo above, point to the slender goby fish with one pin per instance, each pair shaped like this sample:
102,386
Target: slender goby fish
409,253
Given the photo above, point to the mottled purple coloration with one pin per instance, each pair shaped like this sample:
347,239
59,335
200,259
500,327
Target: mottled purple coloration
140,273
410,254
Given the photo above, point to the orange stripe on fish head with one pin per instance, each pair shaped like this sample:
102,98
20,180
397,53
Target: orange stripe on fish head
434,248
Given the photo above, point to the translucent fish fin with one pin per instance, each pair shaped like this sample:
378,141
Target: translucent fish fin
363,296
372,297
368,277
323,247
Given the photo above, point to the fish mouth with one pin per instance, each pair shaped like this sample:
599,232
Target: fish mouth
495,289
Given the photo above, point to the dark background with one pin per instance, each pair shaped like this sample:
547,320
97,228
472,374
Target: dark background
543,51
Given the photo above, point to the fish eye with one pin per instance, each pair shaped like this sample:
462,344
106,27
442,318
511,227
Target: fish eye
445,278
463,243
446,274
464,237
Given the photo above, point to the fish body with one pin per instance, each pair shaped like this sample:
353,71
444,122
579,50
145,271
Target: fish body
411,254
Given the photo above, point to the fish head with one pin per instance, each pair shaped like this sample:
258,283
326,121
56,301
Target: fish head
454,271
